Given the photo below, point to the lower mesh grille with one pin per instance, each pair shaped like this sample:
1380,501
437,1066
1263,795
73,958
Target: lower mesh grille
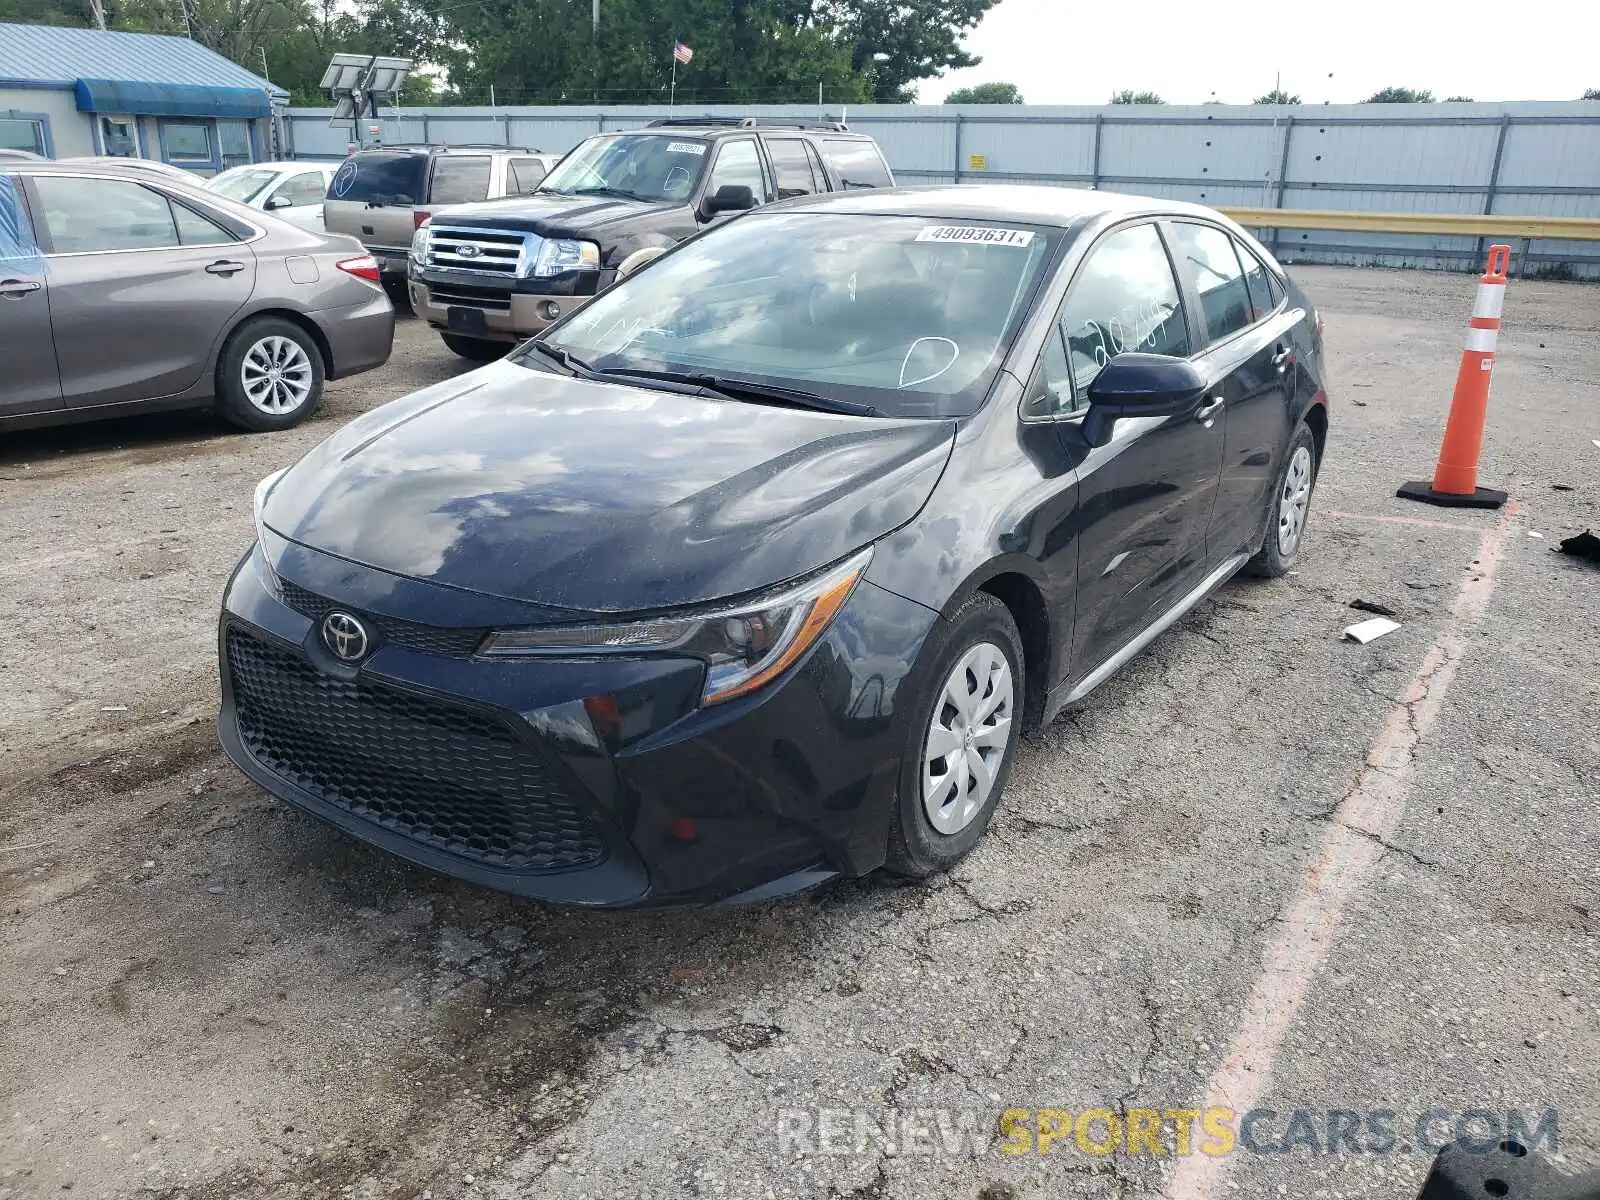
446,776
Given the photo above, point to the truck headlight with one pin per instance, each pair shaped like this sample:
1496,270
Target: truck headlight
744,645
560,255
419,243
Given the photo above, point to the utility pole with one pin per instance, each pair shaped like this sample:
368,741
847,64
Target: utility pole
188,30
264,74
594,46
97,13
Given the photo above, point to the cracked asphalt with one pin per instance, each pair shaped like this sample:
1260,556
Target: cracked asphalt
204,994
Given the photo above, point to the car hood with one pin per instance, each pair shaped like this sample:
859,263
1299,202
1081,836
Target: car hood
603,497
551,214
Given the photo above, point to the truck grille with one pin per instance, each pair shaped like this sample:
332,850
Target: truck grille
467,296
445,776
489,251
429,639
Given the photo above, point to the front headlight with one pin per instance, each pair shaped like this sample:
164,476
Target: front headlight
263,490
744,645
419,243
559,255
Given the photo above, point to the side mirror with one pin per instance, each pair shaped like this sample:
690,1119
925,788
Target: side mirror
730,197
1140,385
277,202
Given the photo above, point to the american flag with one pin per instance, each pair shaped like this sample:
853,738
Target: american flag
682,53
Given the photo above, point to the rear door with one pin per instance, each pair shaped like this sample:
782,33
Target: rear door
458,179
1249,351
524,174
141,287
29,381
794,167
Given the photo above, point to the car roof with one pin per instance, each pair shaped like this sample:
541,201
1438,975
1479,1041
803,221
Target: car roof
302,165
1030,203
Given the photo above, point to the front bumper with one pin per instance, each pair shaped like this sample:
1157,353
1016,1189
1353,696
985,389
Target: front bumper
674,803
492,308
360,337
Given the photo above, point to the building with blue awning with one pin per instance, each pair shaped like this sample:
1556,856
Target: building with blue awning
68,92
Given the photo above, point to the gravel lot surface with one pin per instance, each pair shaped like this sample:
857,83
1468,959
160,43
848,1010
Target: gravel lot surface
204,994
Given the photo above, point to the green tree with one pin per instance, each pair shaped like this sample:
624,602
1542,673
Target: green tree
1459,100
1277,96
1129,96
1591,94
1400,95
986,93
894,43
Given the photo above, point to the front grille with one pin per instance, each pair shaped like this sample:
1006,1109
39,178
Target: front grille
469,297
440,774
488,250
429,639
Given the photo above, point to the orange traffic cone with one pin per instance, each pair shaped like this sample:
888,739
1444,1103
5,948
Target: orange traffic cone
1455,479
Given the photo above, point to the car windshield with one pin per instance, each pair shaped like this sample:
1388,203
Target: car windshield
640,166
910,316
242,183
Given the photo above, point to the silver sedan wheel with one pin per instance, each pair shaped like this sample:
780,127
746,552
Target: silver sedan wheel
1294,501
967,739
277,375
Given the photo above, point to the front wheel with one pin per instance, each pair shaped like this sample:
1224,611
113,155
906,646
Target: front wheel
269,375
962,739
476,349
1287,508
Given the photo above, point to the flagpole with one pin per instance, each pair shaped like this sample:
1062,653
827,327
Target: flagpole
672,97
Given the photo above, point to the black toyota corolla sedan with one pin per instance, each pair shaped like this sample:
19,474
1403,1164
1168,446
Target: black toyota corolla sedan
751,572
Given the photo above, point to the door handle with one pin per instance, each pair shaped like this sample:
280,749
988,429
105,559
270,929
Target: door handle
13,288
224,267
1283,358
1207,412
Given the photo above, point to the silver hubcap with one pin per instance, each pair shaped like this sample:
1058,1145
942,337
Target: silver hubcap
1294,502
968,738
277,375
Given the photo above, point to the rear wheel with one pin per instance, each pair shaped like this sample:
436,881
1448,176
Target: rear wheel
962,739
476,349
1287,508
269,375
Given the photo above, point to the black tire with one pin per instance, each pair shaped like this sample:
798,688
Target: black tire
235,405
476,349
916,848
1272,561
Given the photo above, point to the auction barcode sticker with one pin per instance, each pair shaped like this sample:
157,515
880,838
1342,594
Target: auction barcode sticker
976,235
686,147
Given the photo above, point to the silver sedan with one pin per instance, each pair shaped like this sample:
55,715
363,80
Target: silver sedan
121,292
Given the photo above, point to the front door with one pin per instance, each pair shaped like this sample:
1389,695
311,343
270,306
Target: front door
141,287
1145,498
29,381
738,164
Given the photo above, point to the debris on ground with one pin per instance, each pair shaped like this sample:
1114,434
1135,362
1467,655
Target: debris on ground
1372,606
1367,631
1582,545
1560,487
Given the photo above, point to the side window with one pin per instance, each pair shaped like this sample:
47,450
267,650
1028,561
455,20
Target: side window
1124,299
1206,257
16,233
195,230
304,188
523,175
459,179
857,163
187,143
792,167
1264,295
738,162
87,215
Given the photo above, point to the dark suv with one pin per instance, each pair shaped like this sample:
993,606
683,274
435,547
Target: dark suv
488,275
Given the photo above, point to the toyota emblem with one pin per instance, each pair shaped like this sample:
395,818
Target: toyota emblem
345,636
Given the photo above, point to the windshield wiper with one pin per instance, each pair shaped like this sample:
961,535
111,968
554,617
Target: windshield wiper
736,388
573,364
623,193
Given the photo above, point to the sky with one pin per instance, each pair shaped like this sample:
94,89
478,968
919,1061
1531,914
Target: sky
1076,52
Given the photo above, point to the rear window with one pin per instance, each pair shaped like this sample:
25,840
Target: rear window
386,178
459,179
857,163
